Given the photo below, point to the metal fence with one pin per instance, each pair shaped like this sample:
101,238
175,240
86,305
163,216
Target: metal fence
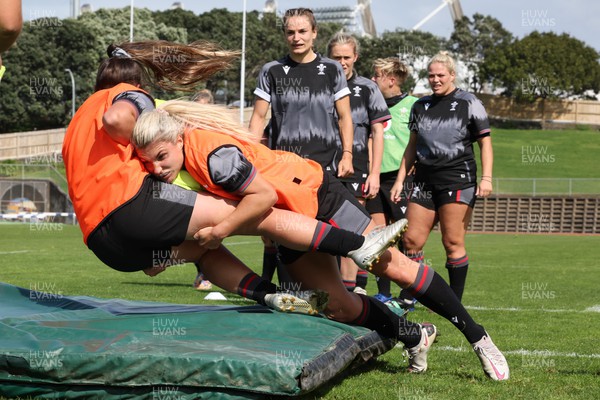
547,186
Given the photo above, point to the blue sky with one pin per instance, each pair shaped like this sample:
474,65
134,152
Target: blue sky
579,18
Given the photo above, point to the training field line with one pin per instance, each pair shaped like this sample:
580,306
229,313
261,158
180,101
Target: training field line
14,252
595,308
241,243
522,352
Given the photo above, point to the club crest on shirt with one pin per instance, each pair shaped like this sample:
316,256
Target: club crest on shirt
321,67
357,90
453,105
286,69
387,125
355,186
427,106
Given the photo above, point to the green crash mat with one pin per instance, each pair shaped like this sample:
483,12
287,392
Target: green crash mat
54,346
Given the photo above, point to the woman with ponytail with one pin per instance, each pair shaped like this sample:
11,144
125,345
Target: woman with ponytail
133,221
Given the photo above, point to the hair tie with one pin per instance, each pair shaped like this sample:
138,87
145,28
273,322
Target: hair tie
120,53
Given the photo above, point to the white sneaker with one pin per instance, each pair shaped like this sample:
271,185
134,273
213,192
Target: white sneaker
359,290
310,302
417,356
376,242
492,360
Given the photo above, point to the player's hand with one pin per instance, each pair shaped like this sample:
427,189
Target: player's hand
345,167
396,192
371,187
206,238
484,189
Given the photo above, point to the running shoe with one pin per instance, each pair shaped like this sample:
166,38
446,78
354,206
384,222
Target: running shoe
492,360
417,356
377,242
310,302
382,297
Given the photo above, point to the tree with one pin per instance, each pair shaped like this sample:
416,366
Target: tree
471,41
544,65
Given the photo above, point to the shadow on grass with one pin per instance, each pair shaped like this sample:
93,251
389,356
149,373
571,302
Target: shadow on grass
156,283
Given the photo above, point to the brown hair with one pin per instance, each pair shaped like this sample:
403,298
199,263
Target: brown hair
168,65
392,66
299,12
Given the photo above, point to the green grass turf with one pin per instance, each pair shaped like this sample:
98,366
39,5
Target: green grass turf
545,154
531,293
549,157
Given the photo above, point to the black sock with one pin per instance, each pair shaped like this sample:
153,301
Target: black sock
384,286
329,239
362,277
416,256
198,270
350,285
457,272
378,317
255,288
269,262
433,292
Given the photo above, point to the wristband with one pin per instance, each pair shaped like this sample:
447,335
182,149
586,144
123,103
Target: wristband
347,151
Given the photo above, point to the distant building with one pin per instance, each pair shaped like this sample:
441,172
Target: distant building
176,5
86,8
355,19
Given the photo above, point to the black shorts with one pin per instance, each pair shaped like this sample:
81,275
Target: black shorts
382,203
357,189
337,207
140,233
432,196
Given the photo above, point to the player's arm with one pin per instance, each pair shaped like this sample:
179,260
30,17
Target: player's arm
11,23
408,160
484,188
375,158
230,170
119,120
258,119
342,107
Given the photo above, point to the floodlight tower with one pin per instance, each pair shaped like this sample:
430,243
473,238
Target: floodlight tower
455,12
74,8
364,7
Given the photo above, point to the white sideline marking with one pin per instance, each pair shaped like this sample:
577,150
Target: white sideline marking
595,308
524,352
239,243
14,252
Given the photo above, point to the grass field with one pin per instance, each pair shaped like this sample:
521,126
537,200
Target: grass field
535,294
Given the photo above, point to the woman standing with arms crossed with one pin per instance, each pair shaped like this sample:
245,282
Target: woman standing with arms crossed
443,129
